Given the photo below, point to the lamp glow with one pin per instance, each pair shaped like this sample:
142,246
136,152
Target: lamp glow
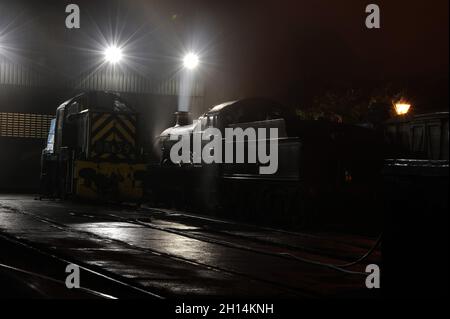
113,54
402,108
191,61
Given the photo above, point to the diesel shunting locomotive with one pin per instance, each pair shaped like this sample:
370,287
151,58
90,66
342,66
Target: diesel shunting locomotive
93,150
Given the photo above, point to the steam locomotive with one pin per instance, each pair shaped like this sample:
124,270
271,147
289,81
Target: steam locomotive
322,166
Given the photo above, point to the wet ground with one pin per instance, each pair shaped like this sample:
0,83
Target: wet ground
128,252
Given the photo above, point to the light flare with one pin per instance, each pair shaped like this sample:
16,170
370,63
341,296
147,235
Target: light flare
191,61
402,107
113,54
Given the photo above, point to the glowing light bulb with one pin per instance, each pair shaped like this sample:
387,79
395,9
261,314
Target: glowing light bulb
191,61
402,108
113,54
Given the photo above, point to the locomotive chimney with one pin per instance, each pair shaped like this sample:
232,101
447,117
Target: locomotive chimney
182,118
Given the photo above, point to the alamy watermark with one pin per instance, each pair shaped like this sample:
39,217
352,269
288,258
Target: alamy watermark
373,19
73,279
73,17
209,146
373,277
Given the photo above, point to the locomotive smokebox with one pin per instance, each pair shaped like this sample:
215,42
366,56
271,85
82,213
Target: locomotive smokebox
182,118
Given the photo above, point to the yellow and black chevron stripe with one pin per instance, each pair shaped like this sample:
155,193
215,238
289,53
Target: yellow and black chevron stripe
113,136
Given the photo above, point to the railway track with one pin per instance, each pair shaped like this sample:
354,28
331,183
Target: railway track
252,227
239,246
313,240
316,258
211,228
290,289
107,216
314,255
96,282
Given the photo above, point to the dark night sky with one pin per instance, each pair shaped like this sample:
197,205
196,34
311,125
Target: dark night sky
286,49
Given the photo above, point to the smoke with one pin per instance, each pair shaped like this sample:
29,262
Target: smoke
186,86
